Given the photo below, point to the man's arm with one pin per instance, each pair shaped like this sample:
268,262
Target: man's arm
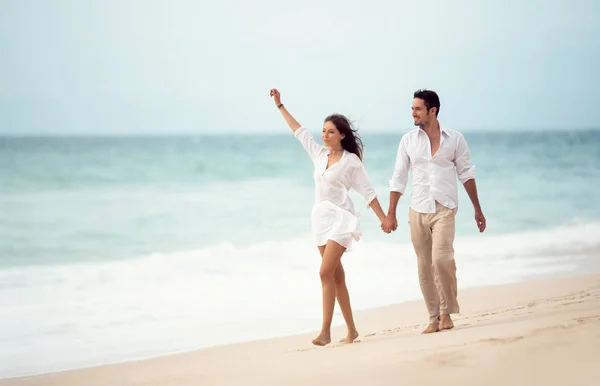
397,186
466,175
394,198
471,189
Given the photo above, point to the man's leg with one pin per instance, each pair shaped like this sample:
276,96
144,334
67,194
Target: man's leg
443,230
420,233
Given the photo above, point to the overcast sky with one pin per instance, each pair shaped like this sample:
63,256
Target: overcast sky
136,66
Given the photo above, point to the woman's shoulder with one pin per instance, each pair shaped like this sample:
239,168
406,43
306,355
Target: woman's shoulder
352,157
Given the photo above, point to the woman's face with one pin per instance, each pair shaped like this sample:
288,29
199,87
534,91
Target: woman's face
331,136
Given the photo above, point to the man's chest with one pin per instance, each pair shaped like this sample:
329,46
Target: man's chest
439,151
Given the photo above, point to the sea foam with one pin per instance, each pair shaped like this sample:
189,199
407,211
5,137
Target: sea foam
81,314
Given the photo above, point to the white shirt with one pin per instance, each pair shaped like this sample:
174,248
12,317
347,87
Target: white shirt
434,178
334,183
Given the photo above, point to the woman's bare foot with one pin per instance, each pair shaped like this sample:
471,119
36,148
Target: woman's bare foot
350,338
433,327
322,340
446,322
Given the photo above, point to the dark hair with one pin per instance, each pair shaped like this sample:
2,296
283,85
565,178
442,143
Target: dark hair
430,98
351,141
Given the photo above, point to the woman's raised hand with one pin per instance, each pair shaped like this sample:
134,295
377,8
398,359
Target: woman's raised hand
276,96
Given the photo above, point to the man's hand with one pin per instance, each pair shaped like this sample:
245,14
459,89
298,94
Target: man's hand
480,220
390,223
471,189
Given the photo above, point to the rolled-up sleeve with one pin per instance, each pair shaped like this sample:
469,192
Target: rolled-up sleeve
400,176
361,182
464,170
308,142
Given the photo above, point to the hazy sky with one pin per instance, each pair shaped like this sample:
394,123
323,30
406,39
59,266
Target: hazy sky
133,66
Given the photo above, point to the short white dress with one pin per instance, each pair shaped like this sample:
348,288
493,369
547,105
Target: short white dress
333,214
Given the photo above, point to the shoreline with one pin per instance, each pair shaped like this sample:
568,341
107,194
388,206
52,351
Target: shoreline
29,361
377,326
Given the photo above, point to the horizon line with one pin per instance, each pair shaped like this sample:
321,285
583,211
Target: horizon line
112,134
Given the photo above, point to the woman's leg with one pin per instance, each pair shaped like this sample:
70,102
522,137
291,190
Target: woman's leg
331,258
343,298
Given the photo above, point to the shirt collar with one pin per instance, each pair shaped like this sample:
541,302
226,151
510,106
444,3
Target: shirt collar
443,130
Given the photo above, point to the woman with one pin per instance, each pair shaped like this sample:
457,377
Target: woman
335,224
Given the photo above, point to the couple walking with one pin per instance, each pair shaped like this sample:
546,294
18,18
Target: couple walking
437,156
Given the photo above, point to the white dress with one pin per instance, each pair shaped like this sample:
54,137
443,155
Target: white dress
333,215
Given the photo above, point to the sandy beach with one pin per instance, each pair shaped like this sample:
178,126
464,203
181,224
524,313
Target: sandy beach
542,332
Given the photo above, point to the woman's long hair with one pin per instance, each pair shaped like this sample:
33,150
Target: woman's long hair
351,141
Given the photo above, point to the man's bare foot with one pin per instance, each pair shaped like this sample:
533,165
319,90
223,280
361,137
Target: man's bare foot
433,327
446,322
350,338
322,340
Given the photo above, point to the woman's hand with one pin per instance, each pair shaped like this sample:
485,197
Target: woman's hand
389,223
276,96
292,123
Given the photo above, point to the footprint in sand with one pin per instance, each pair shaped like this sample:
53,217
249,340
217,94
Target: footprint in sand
305,349
510,339
584,319
569,303
453,359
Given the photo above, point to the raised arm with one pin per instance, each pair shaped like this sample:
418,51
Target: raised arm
292,123
313,149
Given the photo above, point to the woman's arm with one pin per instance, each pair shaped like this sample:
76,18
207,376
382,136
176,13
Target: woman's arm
292,123
306,139
377,209
361,182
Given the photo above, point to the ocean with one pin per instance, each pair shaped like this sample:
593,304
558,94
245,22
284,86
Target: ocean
121,248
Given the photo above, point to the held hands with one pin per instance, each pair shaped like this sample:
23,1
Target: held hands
276,96
389,223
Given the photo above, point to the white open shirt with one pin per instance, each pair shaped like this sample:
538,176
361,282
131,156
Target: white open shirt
332,186
434,178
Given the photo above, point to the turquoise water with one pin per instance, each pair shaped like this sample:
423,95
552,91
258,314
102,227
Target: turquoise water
127,247
79,199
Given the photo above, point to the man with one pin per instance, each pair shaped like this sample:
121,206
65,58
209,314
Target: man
437,156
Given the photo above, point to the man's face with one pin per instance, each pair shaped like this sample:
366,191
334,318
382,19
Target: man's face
421,116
